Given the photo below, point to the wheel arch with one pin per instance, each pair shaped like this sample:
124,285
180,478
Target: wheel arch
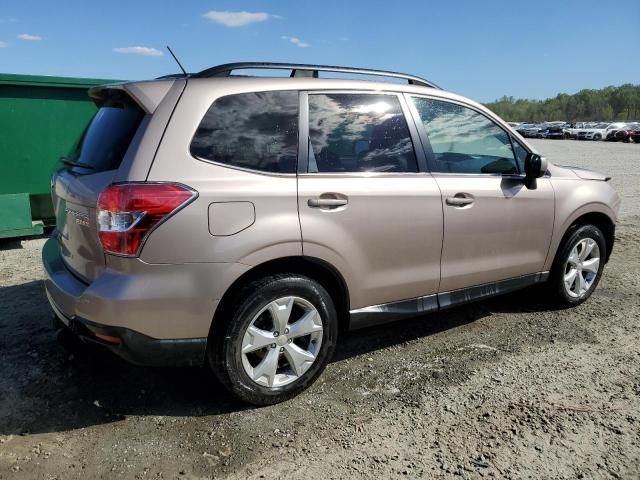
600,219
316,269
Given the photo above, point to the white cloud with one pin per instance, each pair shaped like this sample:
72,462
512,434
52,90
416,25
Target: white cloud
237,19
144,51
3,44
296,41
29,37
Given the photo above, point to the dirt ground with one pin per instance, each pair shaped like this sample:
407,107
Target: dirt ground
505,388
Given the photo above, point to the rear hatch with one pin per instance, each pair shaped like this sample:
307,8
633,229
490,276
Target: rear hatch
82,176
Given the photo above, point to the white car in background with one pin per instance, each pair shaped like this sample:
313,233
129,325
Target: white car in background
597,132
573,129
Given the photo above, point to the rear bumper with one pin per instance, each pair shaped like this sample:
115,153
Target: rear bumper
133,346
108,311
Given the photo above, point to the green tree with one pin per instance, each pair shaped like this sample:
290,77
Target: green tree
605,104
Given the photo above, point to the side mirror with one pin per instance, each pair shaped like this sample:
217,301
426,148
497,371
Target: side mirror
535,166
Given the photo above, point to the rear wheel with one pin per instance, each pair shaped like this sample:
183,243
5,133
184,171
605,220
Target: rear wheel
279,339
578,265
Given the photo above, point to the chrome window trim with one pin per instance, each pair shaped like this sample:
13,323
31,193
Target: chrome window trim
482,175
365,174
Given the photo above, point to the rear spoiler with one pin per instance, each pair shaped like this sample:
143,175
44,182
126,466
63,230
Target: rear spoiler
147,95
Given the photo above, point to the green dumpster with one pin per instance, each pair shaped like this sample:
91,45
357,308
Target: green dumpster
40,120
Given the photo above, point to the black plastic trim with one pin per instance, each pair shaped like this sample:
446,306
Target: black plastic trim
418,147
413,307
136,347
479,292
303,132
389,312
612,240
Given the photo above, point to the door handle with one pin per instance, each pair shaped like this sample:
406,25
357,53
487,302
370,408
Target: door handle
459,200
327,202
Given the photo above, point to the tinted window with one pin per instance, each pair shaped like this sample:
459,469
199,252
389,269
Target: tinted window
258,131
358,133
107,138
463,140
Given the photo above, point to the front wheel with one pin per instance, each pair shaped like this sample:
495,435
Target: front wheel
278,341
578,265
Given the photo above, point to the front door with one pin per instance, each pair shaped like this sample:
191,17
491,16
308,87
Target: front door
364,205
495,228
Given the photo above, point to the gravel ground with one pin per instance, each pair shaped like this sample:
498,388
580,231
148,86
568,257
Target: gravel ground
505,388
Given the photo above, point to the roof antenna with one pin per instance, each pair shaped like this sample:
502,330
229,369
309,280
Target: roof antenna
177,61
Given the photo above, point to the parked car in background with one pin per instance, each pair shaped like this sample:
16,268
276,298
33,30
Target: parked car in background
571,129
553,130
622,133
529,130
597,132
634,135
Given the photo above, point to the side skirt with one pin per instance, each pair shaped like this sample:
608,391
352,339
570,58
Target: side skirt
390,312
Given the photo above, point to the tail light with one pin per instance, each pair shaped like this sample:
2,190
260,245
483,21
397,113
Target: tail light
128,212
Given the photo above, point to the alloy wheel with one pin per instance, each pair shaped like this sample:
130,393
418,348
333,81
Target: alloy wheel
282,342
581,268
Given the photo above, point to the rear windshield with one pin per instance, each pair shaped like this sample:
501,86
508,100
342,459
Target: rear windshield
106,139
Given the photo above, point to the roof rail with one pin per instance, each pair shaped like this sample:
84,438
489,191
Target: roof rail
304,70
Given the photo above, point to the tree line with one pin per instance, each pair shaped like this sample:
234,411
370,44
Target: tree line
606,104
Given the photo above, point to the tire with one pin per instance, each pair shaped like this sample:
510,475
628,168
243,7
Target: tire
597,136
565,264
258,304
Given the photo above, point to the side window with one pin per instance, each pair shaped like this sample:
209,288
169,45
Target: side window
463,140
258,131
358,133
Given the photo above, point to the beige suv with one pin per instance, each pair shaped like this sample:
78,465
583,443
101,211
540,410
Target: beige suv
247,221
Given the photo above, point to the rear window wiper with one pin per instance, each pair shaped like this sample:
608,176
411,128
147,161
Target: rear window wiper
73,163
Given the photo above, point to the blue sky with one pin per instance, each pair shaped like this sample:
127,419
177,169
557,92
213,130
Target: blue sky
481,49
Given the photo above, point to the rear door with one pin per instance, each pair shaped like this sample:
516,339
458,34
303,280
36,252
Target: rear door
365,205
494,227
83,174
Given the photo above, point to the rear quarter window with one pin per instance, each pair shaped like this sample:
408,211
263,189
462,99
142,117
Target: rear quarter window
256,131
